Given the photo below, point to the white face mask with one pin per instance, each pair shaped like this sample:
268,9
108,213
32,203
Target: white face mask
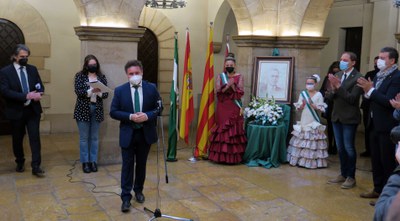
135,79
310,87
381,64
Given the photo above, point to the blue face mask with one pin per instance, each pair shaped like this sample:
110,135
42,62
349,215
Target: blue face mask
343,65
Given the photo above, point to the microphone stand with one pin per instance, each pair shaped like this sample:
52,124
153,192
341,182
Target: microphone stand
157,212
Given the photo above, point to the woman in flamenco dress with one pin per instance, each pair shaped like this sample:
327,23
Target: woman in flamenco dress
228,138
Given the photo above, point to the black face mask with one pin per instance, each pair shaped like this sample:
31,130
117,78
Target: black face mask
92,68
229,69
23,61
376,68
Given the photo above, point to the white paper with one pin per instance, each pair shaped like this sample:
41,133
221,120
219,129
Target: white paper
101,86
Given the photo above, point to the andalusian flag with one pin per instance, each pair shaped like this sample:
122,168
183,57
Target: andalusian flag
207,106
187,108
173,120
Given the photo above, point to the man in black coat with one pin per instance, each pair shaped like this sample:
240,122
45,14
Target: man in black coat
22,89
384,87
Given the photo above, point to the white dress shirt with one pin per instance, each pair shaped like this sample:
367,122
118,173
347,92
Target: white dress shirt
17,68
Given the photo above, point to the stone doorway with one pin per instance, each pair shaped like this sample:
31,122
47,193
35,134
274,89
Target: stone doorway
148,55
10,36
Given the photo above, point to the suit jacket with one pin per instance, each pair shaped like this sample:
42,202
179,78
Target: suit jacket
387,196
122,107
346,99
11,90
380,107
365,102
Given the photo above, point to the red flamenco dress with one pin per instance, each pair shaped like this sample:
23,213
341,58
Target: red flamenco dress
228,139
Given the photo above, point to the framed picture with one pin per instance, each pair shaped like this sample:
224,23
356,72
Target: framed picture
273,78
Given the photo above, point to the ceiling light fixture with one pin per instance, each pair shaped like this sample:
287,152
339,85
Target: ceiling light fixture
165,4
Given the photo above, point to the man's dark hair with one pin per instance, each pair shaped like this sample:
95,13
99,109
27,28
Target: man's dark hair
18,48
133,63
353,56
393,54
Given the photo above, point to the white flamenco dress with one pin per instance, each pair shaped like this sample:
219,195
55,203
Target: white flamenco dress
308,146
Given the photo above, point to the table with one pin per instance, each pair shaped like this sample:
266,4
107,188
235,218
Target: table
266,145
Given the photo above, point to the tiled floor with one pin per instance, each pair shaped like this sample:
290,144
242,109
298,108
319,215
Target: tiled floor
201,191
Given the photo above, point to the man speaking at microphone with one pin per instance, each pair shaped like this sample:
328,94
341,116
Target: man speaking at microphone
136,105
22,89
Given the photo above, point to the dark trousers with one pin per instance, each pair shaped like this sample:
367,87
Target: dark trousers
31,121
137,152
382,158
331,138
366,134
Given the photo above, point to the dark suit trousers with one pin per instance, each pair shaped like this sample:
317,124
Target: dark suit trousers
382,158
366,134
31,121
137,152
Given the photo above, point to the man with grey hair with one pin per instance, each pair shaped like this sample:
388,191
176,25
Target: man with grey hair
22,89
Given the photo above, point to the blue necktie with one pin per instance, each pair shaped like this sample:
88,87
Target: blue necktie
24,82
137,105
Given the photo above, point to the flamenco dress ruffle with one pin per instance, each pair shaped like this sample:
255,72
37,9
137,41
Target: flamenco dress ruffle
308,146
228,138
228,142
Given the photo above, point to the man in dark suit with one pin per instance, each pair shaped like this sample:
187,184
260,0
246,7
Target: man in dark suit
365,109
135,105
22,89
346,116
380,91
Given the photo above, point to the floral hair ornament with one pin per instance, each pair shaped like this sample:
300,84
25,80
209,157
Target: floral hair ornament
315,77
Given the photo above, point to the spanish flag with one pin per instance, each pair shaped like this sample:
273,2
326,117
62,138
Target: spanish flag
187,110
207,106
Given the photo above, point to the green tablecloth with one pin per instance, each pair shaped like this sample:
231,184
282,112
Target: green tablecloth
266,145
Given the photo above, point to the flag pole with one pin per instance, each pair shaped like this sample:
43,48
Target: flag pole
177,101
184,99
206,109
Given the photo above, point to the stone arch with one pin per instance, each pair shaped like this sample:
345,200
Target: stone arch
281,17
219,24
28,20
161,26
106,13
243,16
37,38
315,17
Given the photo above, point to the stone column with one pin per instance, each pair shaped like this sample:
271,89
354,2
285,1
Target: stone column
305,50
113,47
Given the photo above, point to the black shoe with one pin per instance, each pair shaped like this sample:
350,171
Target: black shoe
38,172
93,167
365,154
86,167
126,206
20,167
139,197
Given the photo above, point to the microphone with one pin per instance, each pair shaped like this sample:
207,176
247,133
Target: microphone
160,107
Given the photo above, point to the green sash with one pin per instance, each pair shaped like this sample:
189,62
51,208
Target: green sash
307,98
224,79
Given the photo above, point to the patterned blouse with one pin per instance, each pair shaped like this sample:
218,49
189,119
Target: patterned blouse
82,105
